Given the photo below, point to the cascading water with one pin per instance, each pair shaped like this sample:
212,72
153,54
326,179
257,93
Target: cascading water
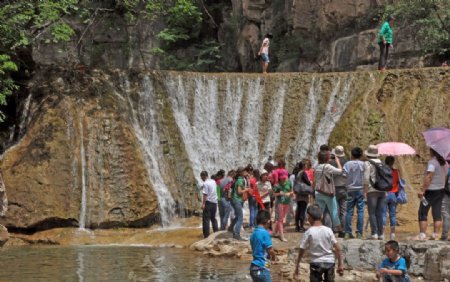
25,115
336,106
273,133
145,124
82,220
300,147
227,135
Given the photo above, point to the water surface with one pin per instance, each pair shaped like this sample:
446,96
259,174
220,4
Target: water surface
116,263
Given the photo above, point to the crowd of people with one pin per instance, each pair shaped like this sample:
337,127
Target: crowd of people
327,194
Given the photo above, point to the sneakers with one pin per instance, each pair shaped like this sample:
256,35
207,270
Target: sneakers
422,237
381,237
443,238
359,236
283,239
348,236
433,236
239,238
374,237
392,237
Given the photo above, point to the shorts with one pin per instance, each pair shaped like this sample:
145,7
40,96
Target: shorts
265,58
434,199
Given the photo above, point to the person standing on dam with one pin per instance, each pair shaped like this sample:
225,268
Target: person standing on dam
385,42
264,52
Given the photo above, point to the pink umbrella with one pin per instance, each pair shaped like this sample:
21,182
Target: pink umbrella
395,149
439,140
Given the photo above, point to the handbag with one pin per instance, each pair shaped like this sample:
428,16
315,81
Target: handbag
325,185
300,187
401,196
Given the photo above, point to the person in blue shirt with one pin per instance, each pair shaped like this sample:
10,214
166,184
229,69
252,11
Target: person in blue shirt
393,268
262,249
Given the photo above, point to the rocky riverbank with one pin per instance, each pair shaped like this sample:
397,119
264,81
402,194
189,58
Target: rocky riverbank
429,260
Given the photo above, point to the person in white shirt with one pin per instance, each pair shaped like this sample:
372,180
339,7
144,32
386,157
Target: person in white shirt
209,204
323,248
264,52
432,194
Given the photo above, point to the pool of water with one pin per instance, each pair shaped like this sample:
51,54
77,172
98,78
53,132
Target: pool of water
116,263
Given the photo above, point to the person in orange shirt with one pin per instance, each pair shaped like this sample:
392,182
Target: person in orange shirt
391,198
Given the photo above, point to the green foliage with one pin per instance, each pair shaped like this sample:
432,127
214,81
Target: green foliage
21,21
429,19
7,85
62,32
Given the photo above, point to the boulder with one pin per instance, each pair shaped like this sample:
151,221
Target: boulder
4,236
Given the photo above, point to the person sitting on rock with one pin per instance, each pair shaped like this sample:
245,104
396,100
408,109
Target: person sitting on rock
262,249
320,241
393,268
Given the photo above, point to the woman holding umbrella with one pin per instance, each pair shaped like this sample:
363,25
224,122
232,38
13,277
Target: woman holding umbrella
432,193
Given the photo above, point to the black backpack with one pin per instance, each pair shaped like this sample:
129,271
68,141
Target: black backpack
383,177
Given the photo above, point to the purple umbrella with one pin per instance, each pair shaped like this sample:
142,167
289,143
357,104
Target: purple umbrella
439,140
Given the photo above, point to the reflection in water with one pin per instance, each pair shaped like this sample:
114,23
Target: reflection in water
116,263
80,267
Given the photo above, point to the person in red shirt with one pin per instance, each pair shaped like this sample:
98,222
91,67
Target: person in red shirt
391,199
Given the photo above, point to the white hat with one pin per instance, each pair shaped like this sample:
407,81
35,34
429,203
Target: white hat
372,151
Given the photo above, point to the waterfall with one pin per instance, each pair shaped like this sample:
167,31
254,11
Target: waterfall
82,220
217,137
25,115
336,106
145,124
273,134
300,148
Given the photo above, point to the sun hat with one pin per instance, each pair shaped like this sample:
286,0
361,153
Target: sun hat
339,151
262,172
372,151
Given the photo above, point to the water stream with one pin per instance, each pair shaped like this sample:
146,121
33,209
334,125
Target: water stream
82,220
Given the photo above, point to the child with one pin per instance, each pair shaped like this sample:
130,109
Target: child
393,268
262,250
283,191
320,242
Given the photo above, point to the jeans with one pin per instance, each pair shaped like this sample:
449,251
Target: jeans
224,212
445,215
328,202
341,200
391,207
209,214
236,224
376,202
260,274
355,198
321,272
253,208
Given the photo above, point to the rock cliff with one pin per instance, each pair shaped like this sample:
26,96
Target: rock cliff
320,35
104,149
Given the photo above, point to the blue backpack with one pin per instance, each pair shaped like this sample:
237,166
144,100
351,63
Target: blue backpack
402,198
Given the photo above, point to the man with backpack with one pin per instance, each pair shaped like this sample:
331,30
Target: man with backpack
446,207
377,181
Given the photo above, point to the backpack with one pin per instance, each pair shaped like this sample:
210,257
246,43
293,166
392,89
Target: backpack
383,177
447,183
401,196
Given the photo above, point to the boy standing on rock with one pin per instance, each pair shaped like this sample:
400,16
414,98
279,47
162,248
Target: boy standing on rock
320,242
262,250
